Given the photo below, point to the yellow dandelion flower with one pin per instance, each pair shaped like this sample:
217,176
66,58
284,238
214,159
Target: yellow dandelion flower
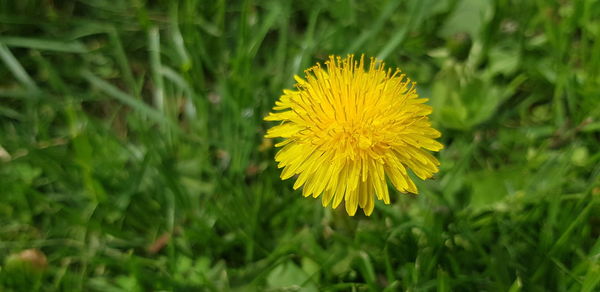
345,129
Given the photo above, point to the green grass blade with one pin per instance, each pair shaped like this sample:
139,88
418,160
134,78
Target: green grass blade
44,44
127,99
15,67
592,278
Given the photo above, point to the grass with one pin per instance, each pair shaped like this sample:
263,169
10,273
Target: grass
132,157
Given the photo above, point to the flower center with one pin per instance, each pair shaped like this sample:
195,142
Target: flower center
350,139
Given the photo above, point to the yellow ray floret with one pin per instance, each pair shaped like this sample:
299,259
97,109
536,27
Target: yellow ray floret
348,130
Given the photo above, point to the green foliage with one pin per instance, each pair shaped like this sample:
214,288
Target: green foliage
132,157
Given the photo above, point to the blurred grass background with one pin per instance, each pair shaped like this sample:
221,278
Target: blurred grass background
132,157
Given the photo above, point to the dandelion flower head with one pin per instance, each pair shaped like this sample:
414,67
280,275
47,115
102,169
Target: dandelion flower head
348,130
